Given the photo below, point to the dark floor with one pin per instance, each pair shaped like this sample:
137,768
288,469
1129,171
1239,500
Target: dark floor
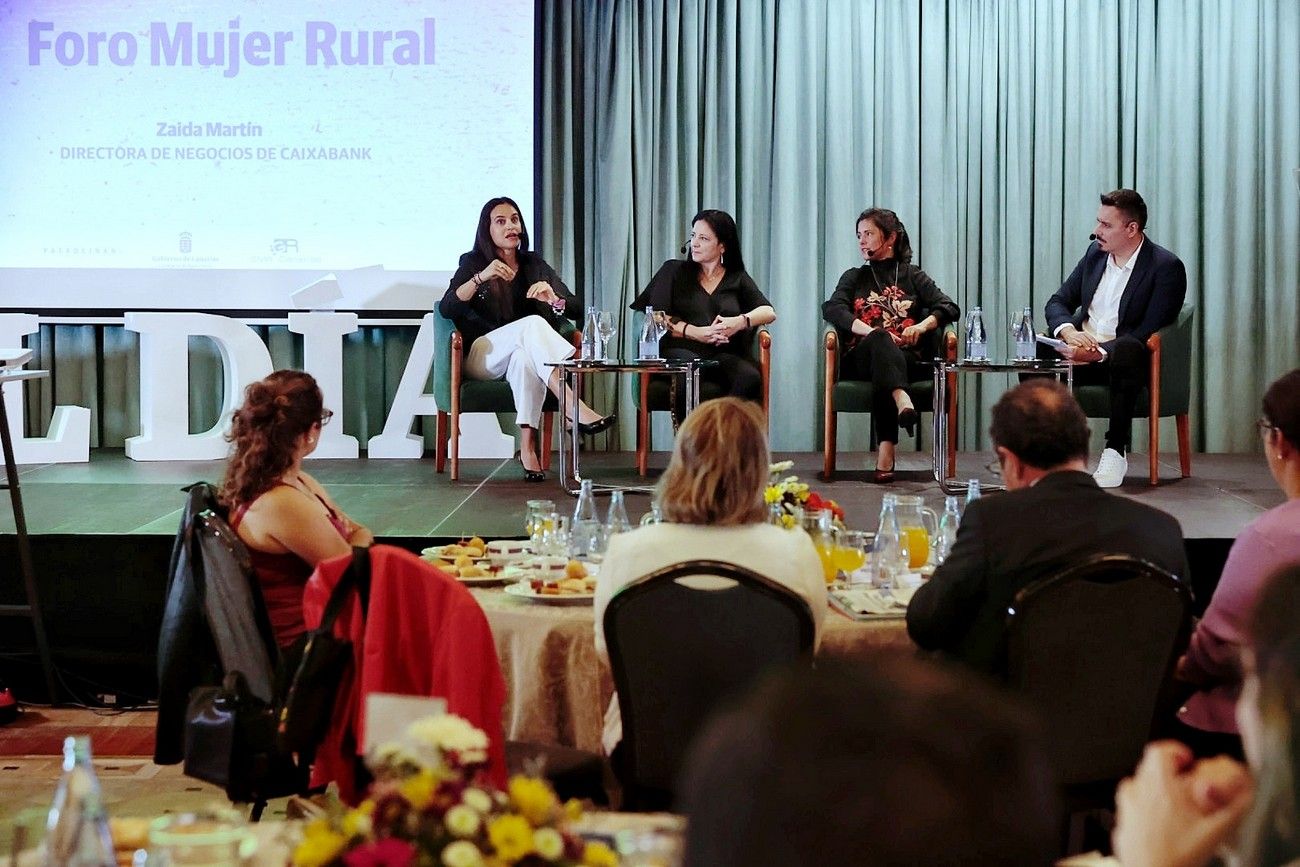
407,498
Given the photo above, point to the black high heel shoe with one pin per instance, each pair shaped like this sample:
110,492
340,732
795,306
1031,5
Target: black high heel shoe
907,420
530,475
600,425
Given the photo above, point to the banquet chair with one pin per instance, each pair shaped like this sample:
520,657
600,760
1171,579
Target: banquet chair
676,650
1093,649
852,395
1168,392
454,393
654,393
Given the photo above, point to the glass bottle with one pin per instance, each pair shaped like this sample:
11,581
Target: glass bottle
1022,335
585,529
590,333
948,523
648,345
616,519
972,491
977,341
887,548
76,832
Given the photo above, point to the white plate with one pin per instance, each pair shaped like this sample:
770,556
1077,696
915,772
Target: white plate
524,590
440,552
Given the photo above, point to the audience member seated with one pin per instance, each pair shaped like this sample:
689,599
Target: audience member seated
884,760
711,498
1272,540
1053,516
282,514
1177,811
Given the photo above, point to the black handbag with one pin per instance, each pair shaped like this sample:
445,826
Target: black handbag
230,742
312,669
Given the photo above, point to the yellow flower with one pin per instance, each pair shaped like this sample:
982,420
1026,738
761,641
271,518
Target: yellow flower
477,799
573,809
548,843
599,855
787,521
356,823
462,821
418,789
511,837
462,853
771,495
533,798
320,845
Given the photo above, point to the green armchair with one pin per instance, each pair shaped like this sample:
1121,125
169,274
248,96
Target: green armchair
1169,392
455,394
855,396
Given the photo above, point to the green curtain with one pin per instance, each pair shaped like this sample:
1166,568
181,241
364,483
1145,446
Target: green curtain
991,126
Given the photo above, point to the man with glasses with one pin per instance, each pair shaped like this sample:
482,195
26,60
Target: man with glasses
1053,516
1124,289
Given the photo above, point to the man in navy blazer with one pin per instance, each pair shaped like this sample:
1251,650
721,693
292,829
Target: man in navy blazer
1124,289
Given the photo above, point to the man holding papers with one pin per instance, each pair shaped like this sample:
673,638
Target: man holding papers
1124,289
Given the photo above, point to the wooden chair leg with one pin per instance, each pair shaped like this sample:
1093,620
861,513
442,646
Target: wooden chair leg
1184,444
643,427
454,444
828,444
548,427
440,447
1153,459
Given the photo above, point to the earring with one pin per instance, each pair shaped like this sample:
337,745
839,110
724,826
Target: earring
311,441
722,259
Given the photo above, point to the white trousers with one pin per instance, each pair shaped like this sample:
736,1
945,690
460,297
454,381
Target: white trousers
520,352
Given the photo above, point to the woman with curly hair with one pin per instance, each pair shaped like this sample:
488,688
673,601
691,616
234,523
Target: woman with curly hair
285,518
887,313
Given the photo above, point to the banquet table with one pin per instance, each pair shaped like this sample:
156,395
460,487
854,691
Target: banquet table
557,689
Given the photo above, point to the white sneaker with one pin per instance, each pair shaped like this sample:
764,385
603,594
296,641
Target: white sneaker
1111,469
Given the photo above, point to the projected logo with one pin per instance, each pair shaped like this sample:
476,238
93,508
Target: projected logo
185,244
284,245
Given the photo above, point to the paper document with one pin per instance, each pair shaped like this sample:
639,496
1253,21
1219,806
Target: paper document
1058,345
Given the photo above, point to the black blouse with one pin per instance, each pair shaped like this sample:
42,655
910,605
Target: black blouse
484,312
888,295
686,301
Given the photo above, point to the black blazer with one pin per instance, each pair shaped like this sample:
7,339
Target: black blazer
1007,541
1151,300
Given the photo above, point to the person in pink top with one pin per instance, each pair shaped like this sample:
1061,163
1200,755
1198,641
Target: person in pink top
285,518
1212,662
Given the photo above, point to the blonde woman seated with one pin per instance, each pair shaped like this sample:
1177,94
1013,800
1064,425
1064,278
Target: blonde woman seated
285,518
711,498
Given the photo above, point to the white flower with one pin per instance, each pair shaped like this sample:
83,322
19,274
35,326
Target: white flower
779,467
462,853
462,821
391,754
477,799
548,843
450,734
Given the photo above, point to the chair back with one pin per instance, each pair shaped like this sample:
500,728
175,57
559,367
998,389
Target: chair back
442,329
1175,375
676,650
1094,648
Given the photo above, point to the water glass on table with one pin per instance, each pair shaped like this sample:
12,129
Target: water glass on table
606,329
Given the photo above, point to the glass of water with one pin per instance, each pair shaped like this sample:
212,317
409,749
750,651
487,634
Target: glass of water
606,329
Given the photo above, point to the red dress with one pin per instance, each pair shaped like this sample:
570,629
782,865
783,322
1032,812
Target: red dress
282,578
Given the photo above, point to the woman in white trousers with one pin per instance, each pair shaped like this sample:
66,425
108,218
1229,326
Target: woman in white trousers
507,302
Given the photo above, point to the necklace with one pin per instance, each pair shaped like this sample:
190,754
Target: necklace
708,284
879,288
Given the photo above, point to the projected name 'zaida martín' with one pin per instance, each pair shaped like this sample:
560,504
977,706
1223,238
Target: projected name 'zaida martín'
181,44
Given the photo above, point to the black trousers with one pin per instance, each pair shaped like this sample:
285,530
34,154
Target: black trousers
733,375
877,359
1125,371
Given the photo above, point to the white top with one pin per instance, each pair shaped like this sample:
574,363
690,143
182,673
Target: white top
1103,312
786,557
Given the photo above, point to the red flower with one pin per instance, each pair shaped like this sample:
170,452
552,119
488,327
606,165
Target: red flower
813,502
388,852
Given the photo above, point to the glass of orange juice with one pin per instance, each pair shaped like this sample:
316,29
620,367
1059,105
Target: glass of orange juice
851,552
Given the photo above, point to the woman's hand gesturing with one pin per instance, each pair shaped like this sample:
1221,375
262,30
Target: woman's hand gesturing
497,269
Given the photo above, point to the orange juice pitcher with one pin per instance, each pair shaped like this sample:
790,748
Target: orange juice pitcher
821,527
917,525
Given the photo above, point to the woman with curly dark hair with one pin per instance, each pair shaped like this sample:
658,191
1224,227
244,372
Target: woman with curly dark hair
285,518
888,313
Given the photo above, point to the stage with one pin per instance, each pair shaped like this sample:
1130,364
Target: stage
102,533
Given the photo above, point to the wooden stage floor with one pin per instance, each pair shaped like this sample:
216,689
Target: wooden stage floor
407,499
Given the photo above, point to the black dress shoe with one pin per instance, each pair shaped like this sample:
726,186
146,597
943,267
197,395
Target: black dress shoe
907,421
600,425
531,475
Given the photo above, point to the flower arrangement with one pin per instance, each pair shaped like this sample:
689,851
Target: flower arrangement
430,805
787,497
